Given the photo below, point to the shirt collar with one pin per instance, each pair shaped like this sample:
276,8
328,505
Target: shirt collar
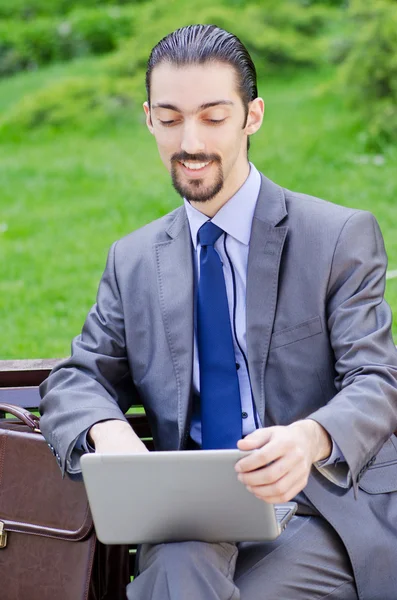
235,217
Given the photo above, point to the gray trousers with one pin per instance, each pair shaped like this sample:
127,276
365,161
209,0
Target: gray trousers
306,562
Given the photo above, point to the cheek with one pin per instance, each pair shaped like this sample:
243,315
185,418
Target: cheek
167,145
231,143
165,152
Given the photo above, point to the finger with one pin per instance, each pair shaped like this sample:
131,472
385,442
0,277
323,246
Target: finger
283,490
256,439
270,474
280,445
281,498
258,459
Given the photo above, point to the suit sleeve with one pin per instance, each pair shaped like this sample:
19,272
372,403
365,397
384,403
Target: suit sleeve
95,383
363,414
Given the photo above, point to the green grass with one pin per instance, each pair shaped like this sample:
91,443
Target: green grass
66,197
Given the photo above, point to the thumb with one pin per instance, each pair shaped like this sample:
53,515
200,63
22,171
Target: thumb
256,439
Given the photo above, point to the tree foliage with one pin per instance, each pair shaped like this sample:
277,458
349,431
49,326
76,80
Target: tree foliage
32,44
31,9
369,71
276,34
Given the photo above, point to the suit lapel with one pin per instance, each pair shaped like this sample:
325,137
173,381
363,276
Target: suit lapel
175,284
266,246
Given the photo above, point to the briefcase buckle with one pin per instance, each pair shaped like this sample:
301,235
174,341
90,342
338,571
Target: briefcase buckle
3,536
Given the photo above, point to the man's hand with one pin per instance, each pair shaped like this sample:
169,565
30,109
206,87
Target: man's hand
279,467
115,437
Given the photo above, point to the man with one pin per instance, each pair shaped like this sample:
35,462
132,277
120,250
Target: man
250,316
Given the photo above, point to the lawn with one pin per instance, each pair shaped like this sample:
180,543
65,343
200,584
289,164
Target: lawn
66,197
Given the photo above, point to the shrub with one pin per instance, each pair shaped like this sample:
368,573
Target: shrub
276,34
75,101
29,9
369,72
31,44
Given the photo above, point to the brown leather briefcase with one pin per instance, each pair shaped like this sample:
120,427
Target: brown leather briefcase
48,547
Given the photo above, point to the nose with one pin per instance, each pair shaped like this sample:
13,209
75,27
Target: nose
191,140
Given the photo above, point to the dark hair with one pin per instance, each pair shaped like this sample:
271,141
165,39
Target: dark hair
198,44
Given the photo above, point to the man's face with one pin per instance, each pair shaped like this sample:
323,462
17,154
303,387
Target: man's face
198,119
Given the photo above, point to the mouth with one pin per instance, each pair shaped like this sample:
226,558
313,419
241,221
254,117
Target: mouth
195,169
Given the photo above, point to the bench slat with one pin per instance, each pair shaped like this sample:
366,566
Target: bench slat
21,373
25,397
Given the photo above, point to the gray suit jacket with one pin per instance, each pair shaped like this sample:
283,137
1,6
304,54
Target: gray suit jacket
319,344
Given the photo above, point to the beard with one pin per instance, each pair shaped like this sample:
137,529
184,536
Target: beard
195,190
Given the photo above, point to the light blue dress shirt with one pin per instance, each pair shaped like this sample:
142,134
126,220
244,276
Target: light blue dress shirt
235,218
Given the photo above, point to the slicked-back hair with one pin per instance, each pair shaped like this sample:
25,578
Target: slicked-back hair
199,44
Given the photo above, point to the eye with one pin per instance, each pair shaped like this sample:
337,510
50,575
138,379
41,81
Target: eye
168,123
215,121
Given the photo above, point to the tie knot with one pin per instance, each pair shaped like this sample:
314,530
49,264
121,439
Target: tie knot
209,233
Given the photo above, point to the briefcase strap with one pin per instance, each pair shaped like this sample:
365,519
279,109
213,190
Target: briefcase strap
24,415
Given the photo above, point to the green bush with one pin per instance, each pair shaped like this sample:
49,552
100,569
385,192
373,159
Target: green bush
283,34
77,102
31,44
369,72
29,9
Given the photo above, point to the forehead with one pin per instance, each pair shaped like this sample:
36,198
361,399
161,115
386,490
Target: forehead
191,86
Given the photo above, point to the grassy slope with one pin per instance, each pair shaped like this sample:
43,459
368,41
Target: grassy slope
66,198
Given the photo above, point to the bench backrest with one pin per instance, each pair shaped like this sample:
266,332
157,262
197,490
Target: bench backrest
19,381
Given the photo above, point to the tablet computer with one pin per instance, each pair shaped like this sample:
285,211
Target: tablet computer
175,496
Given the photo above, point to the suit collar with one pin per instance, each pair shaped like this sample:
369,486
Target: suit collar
178,222
271,207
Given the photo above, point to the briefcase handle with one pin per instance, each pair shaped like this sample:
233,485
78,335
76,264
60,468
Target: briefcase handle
31,420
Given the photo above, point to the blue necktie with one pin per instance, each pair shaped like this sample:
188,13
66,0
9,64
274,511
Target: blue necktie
221,424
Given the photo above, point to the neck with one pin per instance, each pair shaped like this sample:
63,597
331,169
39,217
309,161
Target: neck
211,207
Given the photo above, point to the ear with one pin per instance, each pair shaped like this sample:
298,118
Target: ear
149,123
256,110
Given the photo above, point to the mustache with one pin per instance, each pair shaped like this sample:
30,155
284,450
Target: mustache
200,157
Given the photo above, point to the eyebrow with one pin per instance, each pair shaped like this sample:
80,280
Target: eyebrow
200,108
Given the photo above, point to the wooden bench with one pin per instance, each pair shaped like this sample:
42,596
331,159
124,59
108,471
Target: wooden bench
19,381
